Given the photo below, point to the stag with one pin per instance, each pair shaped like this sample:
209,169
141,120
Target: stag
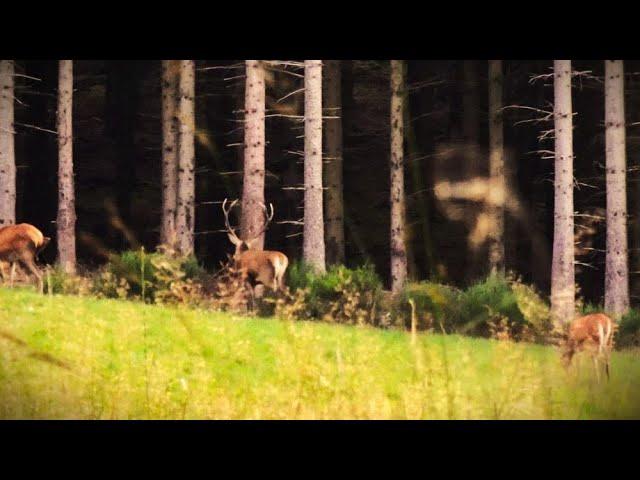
22,243
593,333
256,267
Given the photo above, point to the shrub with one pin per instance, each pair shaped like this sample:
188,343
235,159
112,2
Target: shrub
503,307
108,285
534,308
434,303
299,275
57,280
340,295
628,334
154,277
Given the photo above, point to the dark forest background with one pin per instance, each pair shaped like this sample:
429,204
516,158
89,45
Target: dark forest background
117,155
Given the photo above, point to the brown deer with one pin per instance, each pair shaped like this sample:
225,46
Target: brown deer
256,266
22,243
594,333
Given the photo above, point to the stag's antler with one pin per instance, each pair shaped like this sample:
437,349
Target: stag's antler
268,217
230,229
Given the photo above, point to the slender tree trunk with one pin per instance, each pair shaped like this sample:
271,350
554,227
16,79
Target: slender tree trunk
7,146
185,221
66,221
496,168
313,232
170,76
562,266
334,202
616,288
397,197
252,220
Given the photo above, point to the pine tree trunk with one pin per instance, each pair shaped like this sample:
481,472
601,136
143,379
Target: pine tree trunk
397,197
170,76
496,168
185,221
313,232
334,202
66,221
616,289
562,266
252,220
7,146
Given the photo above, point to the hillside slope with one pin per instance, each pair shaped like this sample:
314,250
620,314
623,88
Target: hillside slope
84,358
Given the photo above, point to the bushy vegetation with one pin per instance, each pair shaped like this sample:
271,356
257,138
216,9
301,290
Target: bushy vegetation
434,305
155,277
65,357
498,307
340,295
628,334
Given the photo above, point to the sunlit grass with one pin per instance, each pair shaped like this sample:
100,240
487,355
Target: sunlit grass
133,361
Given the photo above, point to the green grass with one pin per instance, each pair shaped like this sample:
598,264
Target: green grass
86,358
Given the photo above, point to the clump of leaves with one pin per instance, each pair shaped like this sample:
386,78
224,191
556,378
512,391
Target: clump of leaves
628,332
434,304
56,280
501,303
158,277
107,285
341,294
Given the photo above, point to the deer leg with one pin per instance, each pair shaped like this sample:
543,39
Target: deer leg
27,261
597,367
251,302
12,274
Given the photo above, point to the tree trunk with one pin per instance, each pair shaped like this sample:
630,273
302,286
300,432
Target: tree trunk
66,221
616,288
170,77
562,266
334,202
398,247
313,232
185,221
496,168
7,146
252,220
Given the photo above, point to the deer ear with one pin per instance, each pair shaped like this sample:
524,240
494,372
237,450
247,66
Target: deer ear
235,240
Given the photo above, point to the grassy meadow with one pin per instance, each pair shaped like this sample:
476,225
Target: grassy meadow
65,357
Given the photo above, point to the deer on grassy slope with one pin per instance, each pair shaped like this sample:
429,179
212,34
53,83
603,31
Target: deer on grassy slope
264,267
22,243
592,333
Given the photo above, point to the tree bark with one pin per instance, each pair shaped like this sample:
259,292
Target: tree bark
496,168
252,220
170,77
313,232
334,200
7,145
562,266
185,221
616,294
397,197
66,220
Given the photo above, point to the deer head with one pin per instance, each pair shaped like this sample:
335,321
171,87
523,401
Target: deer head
247,244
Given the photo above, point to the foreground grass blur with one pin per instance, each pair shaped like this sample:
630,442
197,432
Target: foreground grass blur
85,358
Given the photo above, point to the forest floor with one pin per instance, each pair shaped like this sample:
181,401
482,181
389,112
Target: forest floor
64,357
